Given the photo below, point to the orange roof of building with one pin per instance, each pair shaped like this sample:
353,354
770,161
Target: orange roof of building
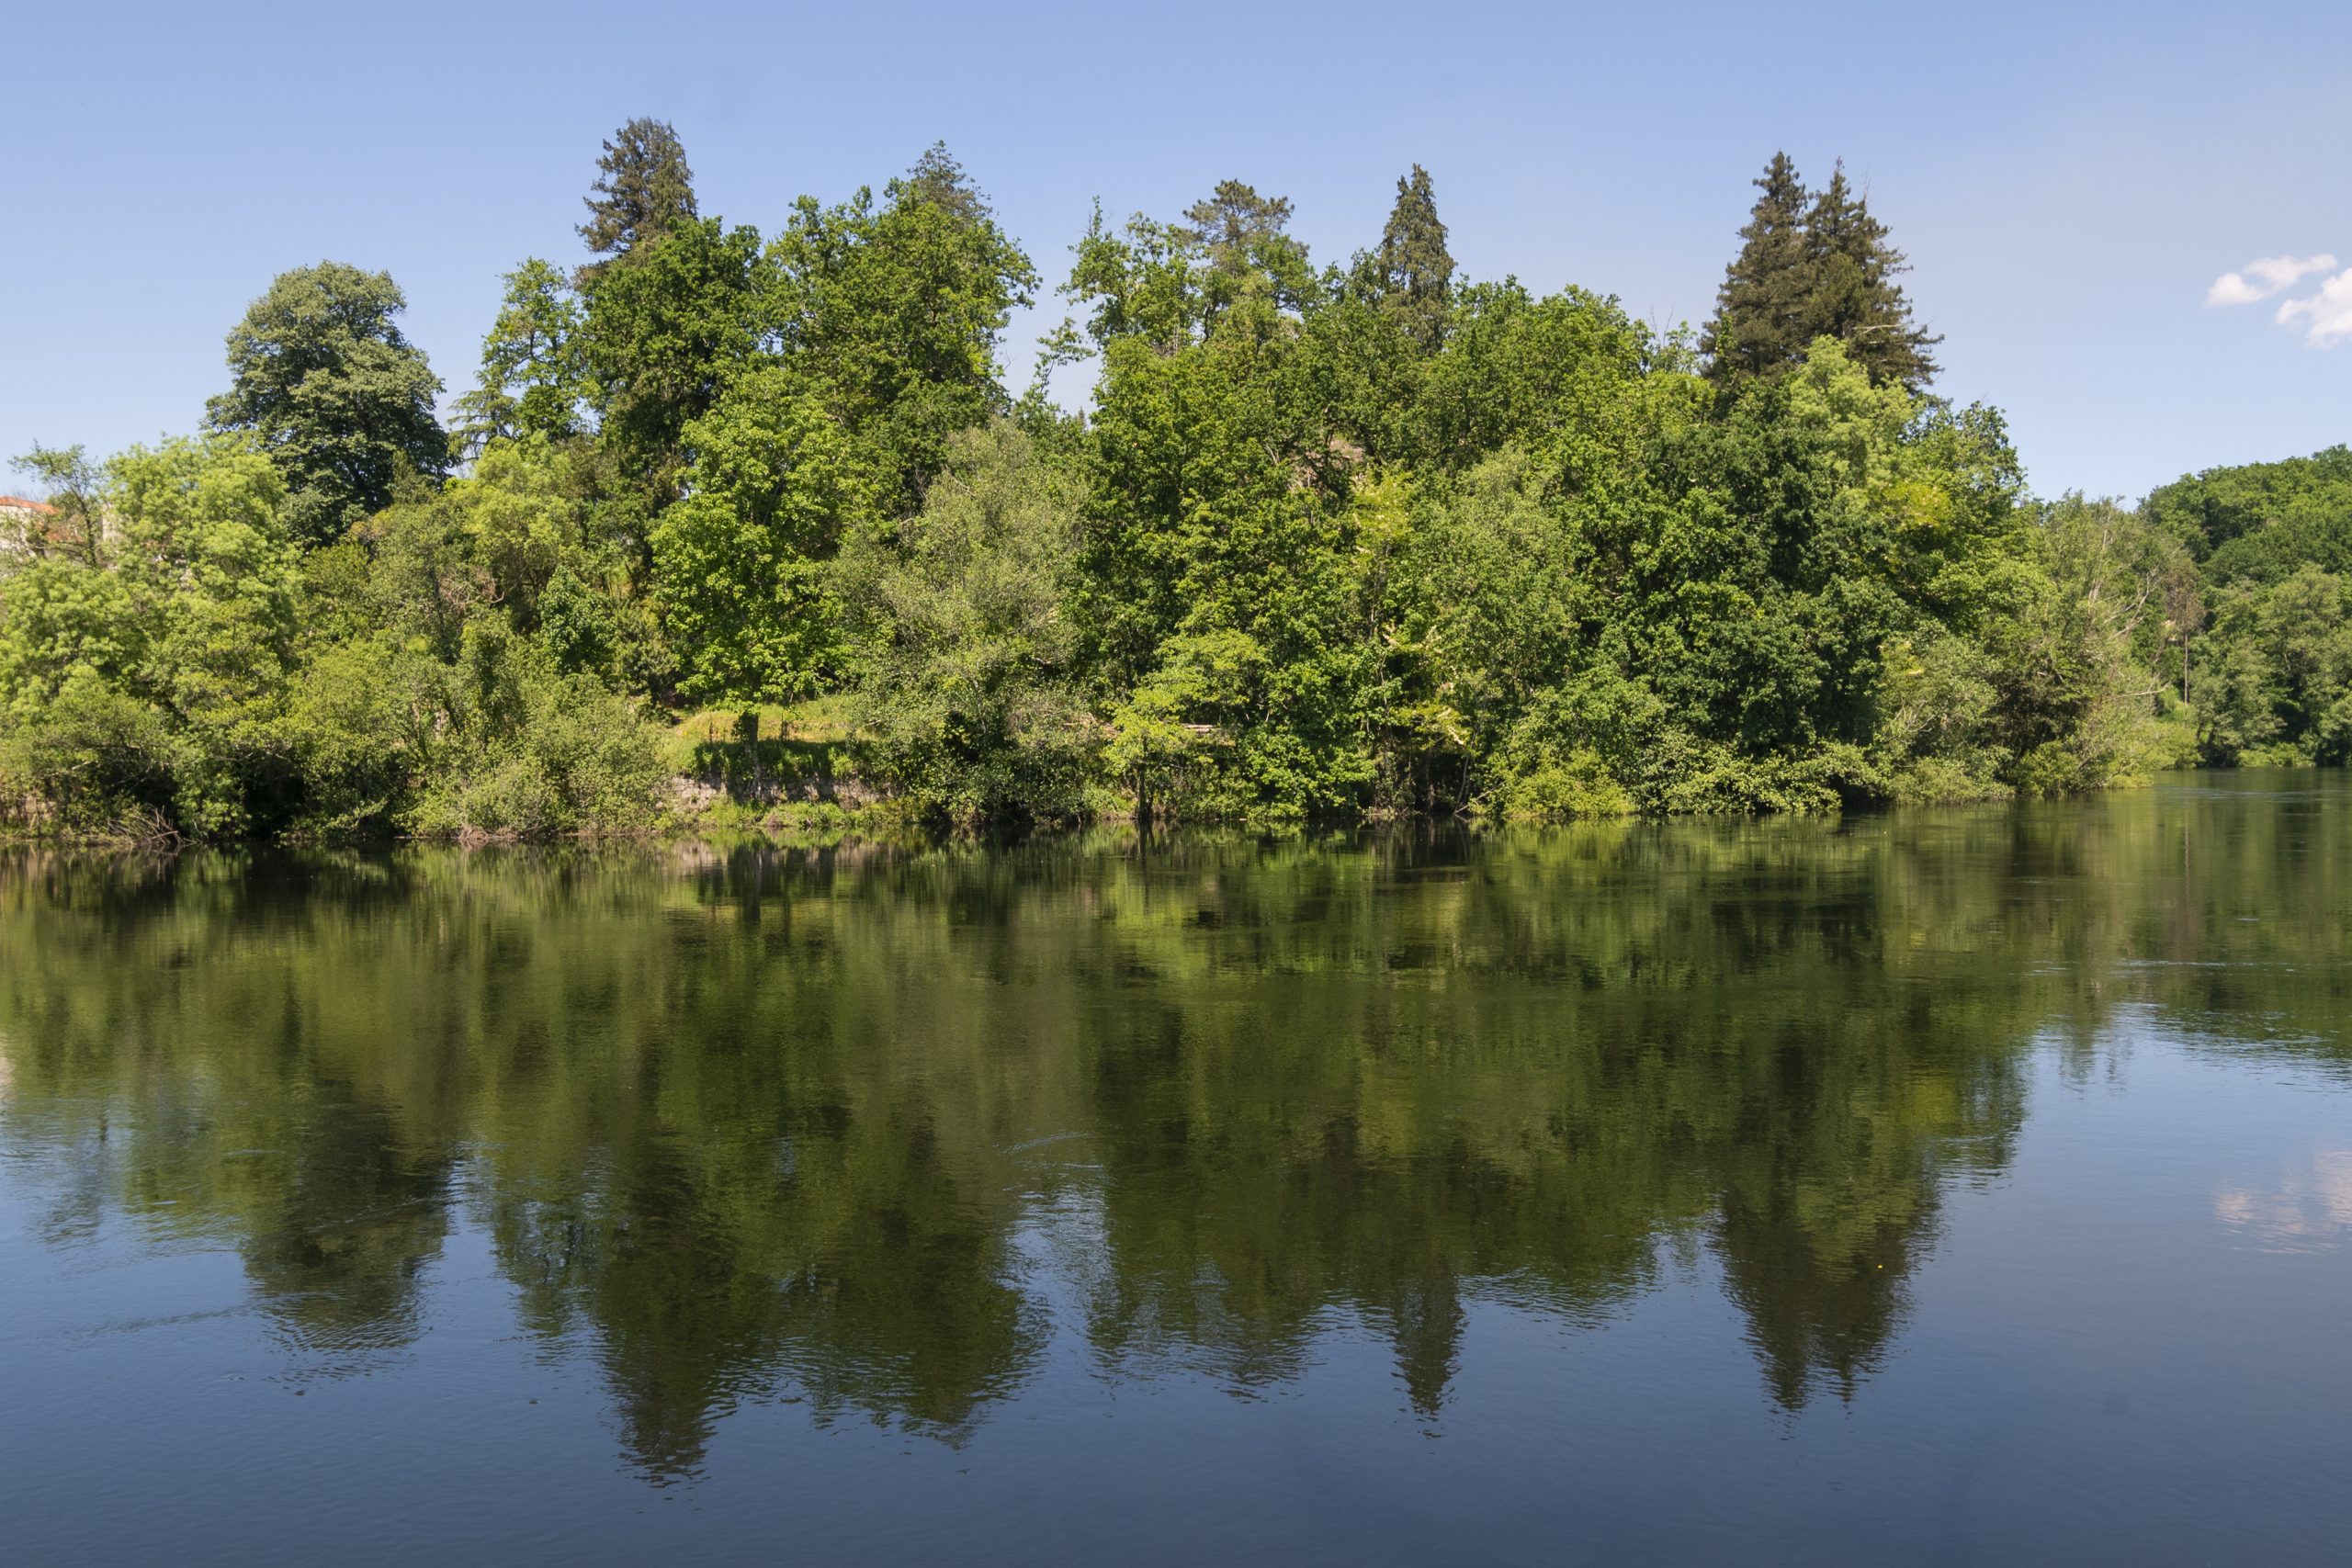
20,503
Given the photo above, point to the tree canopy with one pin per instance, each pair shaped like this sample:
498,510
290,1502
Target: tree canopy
1364,540
323,381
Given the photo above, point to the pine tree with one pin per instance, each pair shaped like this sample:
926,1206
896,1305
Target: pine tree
1234,223
1250,258
1855,297
1763,310
1416,270
642,189
939,179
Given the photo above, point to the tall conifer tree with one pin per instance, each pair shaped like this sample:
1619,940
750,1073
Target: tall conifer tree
1810,266
643,188
1856,299
1416,270
1762,311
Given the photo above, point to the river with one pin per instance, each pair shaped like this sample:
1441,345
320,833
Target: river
1971,1185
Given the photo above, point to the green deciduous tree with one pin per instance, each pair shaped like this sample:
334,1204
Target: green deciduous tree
896,309
1135,282
2077,704
663,338
75,525
741,563
532,379
1221,586
2271,544
151,684
322,380
965,652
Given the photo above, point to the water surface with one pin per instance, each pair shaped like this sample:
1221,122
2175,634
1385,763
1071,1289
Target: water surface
1959,1185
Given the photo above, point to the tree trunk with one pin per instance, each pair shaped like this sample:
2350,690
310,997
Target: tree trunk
747,730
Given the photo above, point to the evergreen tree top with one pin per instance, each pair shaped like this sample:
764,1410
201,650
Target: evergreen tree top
1810,266
643,188
1234,220
939,179
1416,269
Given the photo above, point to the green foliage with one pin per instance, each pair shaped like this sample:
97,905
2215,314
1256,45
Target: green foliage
1856,299
966,650
2263,520
1416,270
2274,545
533,383
1376,540
63,617
664,336
208,681
74,525
1221,585
1170,283
1935,743
2080,705
1760,311
325,383
643,190
2275,673
530,752
148,686
1519,371
1813,265
895,311
1136,283
1249,265
745,596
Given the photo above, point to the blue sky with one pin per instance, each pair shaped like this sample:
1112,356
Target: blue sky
2070,180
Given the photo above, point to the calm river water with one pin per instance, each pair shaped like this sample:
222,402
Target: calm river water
1957,1186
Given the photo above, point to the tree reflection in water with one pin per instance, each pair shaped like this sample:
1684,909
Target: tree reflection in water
771,1124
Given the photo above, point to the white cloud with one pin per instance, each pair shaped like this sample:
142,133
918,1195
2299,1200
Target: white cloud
2261,279
2326,316
2310,1212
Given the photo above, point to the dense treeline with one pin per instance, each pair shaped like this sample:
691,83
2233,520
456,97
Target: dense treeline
2270,673
1360,538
